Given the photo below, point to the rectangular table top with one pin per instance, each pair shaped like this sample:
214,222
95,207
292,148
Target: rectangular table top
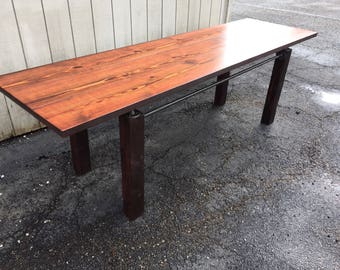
75,94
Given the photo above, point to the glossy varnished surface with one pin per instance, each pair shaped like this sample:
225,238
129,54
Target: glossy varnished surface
72,95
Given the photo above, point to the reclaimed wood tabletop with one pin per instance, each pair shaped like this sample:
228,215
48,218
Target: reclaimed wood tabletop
72,95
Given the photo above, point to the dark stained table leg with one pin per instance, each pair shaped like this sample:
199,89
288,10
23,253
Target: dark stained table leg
221,90
275,86
80,152
131,128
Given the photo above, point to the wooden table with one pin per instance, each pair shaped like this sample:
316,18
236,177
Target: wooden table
74,95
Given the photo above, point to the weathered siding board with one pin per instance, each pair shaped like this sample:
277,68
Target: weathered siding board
28,46
33,32
82,26
205,12
37,32
103,24
154,19
168,18
139,21
122,21
215,13
194,14
224,11
59,29
182,16
11,59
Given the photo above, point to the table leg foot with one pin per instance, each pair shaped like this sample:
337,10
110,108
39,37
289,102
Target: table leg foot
275,86
221,90
80,152
131,127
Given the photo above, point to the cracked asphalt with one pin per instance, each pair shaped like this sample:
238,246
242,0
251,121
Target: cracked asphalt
222,191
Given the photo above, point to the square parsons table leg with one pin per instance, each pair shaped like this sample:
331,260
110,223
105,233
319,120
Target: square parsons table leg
80,152
275,86
131,129
221,90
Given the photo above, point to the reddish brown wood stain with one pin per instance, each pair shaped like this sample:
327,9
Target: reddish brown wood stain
75,94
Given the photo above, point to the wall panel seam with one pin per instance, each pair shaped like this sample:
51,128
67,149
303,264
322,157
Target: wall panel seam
10,117
188,15
210,7
113,26
131,41
70,17
48,36
20,37
147,19
219,17
199,16
176,16
94,28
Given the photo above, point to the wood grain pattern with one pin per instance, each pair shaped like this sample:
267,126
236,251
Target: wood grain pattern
46,29
72,95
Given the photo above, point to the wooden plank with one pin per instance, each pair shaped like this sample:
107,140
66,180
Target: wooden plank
194,14
59,29
82,26
215,13
139,21
71,98
122,22
103,24
205,12
182,12
154,19
168,18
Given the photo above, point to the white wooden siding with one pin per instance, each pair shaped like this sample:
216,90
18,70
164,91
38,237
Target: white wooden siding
103,25
154,19
59,29
182,12
38,32
139,21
